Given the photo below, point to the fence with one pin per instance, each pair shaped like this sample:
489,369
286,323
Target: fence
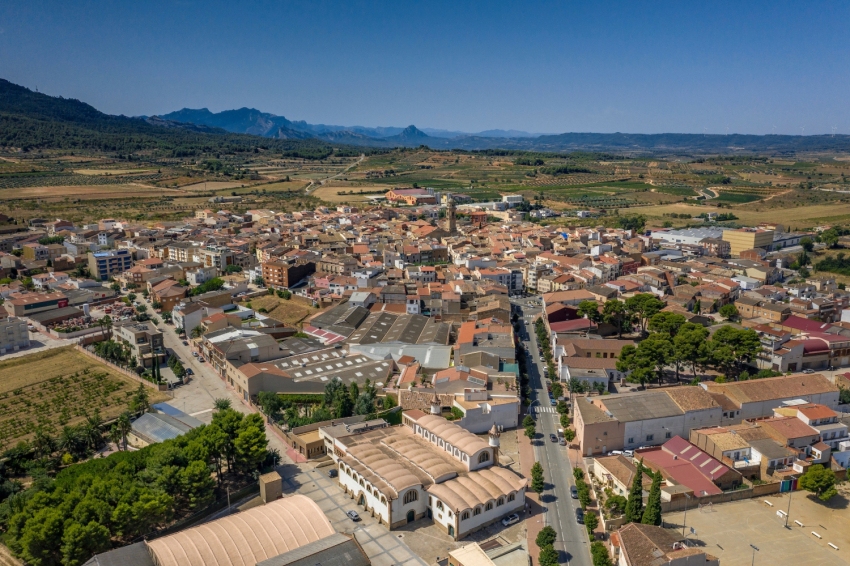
725,497
122,371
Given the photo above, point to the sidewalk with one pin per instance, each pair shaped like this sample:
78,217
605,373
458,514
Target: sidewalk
534,512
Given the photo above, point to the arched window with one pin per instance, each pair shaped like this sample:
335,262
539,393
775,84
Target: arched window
500,502
383,500
411,496
439,505
465,516
477,511
489,506
361,483
511,497
484,457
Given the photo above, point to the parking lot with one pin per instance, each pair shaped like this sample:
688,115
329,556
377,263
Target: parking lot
384,547
728,530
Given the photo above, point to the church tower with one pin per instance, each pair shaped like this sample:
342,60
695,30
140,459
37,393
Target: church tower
436,406
494,435
451,216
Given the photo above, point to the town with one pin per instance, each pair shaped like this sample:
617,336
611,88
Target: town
424,379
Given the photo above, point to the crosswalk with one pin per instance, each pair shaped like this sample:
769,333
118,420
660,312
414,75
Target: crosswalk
542,410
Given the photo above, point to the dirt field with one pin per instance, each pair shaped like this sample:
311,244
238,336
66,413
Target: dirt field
750,214
85,192
729,529
329,193
111,171
292,312
214,186
58,387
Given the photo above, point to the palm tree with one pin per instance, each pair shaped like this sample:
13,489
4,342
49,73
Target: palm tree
69,439
115,436
43,443
124,427
93,430
222,404
197,331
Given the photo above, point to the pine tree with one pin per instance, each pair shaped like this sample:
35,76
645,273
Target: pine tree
652,513
634,506
537,483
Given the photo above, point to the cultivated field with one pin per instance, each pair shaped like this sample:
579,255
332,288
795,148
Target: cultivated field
111,171
57,387
330,192
85,192
802,216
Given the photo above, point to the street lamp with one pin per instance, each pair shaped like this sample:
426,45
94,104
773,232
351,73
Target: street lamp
789,507
755,549
685,518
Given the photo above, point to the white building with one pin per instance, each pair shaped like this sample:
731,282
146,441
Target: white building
13,335
425,467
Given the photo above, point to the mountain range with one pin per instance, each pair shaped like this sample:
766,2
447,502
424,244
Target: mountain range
33,120
256,122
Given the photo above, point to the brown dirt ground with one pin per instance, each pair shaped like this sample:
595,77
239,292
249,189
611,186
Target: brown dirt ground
86,192
292,312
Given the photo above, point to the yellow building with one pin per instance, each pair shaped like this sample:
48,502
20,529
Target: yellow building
747,239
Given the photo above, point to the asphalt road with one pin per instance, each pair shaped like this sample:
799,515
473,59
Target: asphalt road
573,542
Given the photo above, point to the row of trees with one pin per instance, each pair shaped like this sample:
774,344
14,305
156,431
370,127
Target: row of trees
623,315
635,512
675,342
120,498
337,401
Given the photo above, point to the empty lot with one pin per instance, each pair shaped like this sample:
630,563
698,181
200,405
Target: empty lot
728,531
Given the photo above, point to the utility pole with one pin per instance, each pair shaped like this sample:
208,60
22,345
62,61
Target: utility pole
685,518
789,507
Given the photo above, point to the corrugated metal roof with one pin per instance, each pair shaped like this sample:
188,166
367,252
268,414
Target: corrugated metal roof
156,427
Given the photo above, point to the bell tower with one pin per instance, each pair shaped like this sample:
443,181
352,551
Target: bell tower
436,406
494,435
451,216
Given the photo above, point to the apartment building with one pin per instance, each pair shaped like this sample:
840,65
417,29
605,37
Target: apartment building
14,335
111,263
143,339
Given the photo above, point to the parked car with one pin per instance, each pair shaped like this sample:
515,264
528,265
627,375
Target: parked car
628,453
573,492
185,342
808,370
511,519
562,441
332,473
353,515
553,438
579,515
189,371
201,359
195,354
552,402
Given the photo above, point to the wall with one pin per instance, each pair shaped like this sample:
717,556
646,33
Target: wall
737,495
353,488
480,420
463,527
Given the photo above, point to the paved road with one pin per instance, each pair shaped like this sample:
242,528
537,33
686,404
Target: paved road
573,542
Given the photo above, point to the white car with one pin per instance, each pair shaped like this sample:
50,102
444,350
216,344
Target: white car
511,519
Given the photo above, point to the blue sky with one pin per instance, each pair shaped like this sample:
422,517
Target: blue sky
537,66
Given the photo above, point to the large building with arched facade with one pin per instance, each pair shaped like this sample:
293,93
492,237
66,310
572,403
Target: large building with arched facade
426,467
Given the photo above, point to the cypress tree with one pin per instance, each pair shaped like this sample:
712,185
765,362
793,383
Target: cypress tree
634,506
652,513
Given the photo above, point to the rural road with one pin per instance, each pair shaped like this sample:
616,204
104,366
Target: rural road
313,185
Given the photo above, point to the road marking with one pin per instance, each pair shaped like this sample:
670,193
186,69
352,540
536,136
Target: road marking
201,412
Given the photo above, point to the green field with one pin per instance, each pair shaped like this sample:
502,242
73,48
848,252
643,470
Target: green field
736,198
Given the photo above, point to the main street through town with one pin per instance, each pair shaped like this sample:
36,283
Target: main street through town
559,508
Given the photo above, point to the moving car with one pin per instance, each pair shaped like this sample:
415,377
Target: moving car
553,438
573,492
353,515
510,520
579,515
